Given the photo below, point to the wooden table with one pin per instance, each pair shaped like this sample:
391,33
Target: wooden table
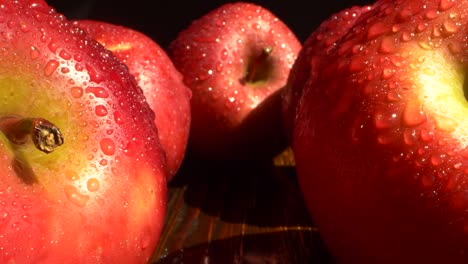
231,213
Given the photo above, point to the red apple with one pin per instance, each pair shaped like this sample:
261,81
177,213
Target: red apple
81,168
236,59
316,46
380,137
162,84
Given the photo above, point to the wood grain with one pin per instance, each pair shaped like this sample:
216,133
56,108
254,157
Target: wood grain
238,213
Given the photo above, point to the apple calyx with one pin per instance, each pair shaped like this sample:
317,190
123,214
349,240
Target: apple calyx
45,135
258,68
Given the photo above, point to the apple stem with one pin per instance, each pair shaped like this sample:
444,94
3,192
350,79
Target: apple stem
45,135
257,65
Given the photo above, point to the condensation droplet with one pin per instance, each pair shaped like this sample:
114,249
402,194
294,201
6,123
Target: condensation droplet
436,160
387,45
94,75
25,27
72,175
409,137
421,27
413,114
103,162
99,92
93,185
431,14
130,149
53,46
145,239
65,55
387,73
406,36
449,27
384,120
425,135
50,67
224,54
376,30
75,197
107,146
76,92
445,4
100,110
34,52
4,217
118,118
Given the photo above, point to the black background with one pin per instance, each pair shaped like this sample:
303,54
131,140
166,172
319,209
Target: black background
162,20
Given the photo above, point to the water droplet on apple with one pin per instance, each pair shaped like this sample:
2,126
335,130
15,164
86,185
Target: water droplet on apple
431,14
421,27
98,92
107,146
357,64
64,70
130,149
449,27
50,67
72,175
406,36
93,185
103,162
77,92
27,218
219,67
436,159
224,54
376,30
34,52
118,118
65,55
145,239
78,67
53,46
100,110
413,114
387,73
4,217
94,75
220,23
425,45
409,137
256,26
75,197
393,96
445,4
387,45
384,120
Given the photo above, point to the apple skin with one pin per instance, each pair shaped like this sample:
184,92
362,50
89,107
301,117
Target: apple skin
162,84
380,136
101,196
235,116
320,42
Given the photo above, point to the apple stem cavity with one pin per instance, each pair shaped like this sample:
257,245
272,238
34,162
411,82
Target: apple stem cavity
258,68
45,135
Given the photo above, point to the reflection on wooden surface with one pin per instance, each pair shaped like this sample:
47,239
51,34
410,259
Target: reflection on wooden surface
254,213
